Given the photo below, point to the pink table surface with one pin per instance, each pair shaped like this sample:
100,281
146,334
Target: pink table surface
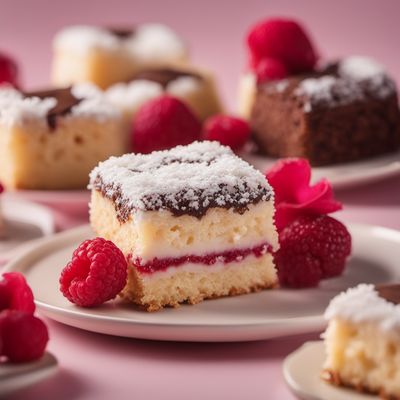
94,366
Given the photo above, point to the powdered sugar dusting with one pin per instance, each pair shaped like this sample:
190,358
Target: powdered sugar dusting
16,108
130,96
363,304
356,78
148,42
185,178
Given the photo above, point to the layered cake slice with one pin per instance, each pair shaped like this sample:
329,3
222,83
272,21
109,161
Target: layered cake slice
106,56
363,340
194,87
52,139
347,111
195,222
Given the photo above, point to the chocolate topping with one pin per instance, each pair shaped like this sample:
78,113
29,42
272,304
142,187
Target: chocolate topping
390,293
65,101
122,33
164,76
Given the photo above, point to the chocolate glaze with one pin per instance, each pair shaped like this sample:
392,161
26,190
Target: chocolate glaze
390,292
181,206
164,76
65,101
122,33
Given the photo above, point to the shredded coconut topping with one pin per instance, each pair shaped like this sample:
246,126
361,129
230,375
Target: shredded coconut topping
363,304
183,179
16,108
183,86
148,42
356,78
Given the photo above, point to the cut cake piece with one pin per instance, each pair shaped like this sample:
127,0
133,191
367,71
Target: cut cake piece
348,111
52,139
106,56
195,222
194,87
362,340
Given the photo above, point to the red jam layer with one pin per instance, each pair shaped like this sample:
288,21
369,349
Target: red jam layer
209,259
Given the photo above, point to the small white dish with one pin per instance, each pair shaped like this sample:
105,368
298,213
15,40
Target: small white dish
18,376
302,373
24,221
343,175
258,316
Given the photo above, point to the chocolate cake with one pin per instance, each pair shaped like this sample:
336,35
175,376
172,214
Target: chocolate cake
347,111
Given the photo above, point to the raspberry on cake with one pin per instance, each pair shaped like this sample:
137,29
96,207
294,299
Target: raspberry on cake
195,222
106,56
362,340
347,111
194,87
52,139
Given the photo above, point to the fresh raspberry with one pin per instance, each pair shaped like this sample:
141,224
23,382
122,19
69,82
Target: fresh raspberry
96,273
8,70
270,69
229,131
312,248
163,123
284,40
24,336
15,294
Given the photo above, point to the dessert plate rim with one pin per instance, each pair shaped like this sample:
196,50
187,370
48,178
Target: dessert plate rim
210,321
345,175
17,211
306,382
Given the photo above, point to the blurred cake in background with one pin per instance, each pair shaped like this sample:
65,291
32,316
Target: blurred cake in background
106,56
362,340
195,222
52,139
344,111
193,86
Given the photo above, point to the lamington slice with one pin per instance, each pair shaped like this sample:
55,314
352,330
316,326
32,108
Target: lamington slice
195,222
52,139
348,111
362,340
193,86
105,56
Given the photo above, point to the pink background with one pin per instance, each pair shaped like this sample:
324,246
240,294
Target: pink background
214,29
94,366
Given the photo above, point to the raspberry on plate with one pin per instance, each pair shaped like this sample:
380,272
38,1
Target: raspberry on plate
24,337
285,40
269,69
312,248
163,123
229,131
15,294
8,70
96,273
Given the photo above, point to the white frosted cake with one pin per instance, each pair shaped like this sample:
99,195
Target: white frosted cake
106,56
363,340
52,139
195,222
193,86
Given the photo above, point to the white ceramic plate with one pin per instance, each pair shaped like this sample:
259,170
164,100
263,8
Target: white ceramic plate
344,175
255,316
24,222
18,376
306,383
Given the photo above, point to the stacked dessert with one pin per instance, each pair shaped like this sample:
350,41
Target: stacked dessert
363,340
106,56
344,111
195,222
52,139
